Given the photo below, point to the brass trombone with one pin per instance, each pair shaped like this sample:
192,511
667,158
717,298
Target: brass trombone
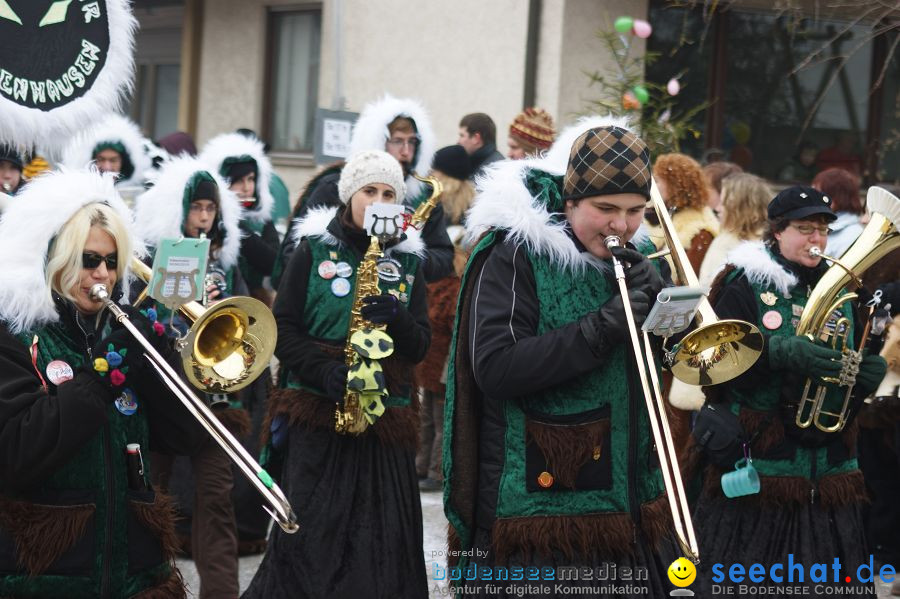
279,508
880,237
713,353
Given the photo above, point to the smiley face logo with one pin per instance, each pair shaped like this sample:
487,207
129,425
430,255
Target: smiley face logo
682,572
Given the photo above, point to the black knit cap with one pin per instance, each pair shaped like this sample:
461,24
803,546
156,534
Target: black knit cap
800,202
9,154
453,161
606,161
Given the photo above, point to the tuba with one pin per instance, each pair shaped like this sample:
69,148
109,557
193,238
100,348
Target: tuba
880,237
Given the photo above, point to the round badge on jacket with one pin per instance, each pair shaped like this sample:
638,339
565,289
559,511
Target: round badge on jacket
340,287
58,372
772,320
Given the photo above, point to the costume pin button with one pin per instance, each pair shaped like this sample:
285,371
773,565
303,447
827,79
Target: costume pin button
59,372
772,320
545,480
126,403
768,298
344,269
340,287
327,269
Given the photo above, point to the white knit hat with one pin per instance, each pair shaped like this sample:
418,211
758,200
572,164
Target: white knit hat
370,166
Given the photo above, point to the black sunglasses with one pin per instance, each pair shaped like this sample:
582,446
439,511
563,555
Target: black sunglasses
90,260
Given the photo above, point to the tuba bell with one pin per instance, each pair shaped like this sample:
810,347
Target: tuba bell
228,346
880,237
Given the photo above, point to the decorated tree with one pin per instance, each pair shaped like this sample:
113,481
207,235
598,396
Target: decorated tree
625,92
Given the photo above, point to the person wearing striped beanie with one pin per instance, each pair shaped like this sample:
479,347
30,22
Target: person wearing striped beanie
530,133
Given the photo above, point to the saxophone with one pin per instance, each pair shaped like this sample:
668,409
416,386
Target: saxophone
349,417
420,216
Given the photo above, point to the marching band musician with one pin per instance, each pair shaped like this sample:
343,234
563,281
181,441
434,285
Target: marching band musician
548,460
189,200
356,496
811,491
242,161
402,128
79,406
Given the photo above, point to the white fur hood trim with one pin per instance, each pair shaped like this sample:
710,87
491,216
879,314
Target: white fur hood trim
760,268
226,145
159,211
504,202
370,132
27,226
113,128
315,224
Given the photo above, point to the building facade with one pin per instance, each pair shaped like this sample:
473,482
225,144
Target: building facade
208,66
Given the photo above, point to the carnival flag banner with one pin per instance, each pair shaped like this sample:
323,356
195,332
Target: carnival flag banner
63,64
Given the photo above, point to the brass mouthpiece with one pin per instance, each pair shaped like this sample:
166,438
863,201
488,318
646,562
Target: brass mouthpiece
612,241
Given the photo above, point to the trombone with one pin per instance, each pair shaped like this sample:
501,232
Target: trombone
222,351
659,423
713,353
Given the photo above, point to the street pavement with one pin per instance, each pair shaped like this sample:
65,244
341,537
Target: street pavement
433,546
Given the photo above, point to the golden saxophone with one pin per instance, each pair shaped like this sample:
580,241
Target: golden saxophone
420,216
349,417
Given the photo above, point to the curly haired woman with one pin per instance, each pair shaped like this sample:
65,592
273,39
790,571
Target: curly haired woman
684,189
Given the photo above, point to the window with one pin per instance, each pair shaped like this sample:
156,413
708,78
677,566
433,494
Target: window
154,104
293,82
768,101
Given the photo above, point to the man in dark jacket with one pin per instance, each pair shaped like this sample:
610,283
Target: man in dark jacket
478,135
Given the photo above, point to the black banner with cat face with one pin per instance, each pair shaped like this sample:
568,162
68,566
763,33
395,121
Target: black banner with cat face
66,59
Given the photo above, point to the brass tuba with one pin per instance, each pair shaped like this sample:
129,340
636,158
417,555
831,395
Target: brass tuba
228,346
880,237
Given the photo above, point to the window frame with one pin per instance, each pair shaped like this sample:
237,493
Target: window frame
284,157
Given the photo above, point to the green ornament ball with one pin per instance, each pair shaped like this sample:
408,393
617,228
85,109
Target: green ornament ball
623,24
641,93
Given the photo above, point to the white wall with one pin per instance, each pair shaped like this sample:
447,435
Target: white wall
456,56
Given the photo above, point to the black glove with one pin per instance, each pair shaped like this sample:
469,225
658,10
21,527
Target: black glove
608,326
641,274
801,355
381,309
871,372
335,381
118,358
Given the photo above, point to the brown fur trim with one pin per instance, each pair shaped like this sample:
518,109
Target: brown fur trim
588,536
774,491
236,420
170,588
454,546
567,448
398,427
43,532
767,424
843,489
159,518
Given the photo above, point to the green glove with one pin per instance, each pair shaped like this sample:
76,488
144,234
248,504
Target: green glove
871,372
801,355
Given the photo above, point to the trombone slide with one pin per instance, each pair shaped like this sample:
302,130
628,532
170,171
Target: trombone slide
279,507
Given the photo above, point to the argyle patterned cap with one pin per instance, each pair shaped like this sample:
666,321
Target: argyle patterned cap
606,161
